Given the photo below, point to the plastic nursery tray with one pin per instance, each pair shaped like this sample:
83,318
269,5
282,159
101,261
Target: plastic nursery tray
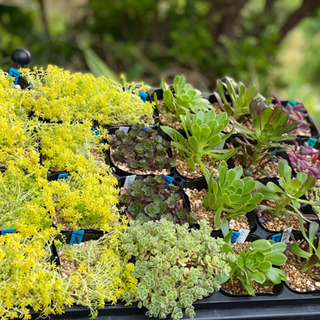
283,304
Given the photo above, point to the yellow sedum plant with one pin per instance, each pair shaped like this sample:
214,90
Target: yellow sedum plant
84,201
29,279
58,95
99,271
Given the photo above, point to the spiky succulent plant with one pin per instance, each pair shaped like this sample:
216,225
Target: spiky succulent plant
141,149
151,199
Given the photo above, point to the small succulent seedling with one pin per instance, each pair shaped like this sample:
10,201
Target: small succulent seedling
184,98
203,136
271,129
255,263
141,149
287,195
151,199
240,95
311,255
230,193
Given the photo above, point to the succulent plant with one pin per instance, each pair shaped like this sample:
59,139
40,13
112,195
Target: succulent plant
185,98
271,129
311,254
151,199
230,193
240,95
287,195
203,136
255,263
303,158
141,149
174,266
298,113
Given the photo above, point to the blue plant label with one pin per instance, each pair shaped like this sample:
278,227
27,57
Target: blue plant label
124,129
286,235
6,231
276,237
145,128
143,96
168,180
312,142
95,131
14,73
63,176
76,236
292,103
243,235
234,237
129,180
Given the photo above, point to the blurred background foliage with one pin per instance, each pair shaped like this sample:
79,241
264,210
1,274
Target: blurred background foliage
274,44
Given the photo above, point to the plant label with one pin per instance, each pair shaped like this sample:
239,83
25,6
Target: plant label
129,180
76,236
124,129
286,235
14,73
312,142
6,231
243,235
221,145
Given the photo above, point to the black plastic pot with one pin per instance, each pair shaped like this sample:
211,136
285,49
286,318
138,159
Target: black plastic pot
122,173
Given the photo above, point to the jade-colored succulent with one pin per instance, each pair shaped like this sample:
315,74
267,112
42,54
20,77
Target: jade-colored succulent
184,98
152,199
203,132
255,263
230,193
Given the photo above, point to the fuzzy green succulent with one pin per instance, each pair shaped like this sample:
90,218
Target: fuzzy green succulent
203,132
255,263
141,149
271,129
184,98
230,193
174,266
151,199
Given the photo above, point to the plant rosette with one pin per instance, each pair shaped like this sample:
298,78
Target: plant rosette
174,266
254,265
152,198
83,201
141,151
59,96
177,100
29,279
201,145
197,190
97,271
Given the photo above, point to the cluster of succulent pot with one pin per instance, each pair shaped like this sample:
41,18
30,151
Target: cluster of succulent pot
156,259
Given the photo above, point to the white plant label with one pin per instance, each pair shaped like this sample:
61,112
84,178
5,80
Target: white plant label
221,145
129,180
124,129
243,235
286,235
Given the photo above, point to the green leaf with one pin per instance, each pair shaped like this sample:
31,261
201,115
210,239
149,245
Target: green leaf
261,244
258,277
274,275
277,259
